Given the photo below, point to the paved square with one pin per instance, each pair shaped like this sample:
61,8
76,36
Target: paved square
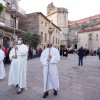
76,82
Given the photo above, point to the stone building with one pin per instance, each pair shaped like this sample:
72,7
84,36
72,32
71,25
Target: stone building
9,19
59,16
85,32
39,23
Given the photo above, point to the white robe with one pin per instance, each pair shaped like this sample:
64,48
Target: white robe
53,81
2,69
13,72
19,67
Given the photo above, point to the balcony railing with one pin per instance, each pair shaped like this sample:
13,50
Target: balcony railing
9,23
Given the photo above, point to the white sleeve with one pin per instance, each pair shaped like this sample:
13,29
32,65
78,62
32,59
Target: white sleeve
12,53
43,58
1,56
55,58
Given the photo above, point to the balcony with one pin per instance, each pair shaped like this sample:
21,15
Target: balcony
3,2
9,23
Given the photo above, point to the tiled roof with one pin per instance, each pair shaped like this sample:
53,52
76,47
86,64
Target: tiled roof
84,19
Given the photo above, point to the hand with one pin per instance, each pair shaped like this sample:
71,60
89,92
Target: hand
49,56
15,57
16,47
48,59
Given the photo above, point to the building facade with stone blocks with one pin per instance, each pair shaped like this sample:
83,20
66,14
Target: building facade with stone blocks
59,16
83,28
9,20
89,39
39,23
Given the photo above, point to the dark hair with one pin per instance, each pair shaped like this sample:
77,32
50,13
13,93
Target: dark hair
0,46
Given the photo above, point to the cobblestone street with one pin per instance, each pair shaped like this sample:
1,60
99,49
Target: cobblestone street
76,82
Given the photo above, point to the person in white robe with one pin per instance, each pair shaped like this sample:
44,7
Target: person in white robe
2,69
19,66
52,59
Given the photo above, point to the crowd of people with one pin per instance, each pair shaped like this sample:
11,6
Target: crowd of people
32,53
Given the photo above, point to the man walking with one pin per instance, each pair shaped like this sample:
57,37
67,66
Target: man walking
81,55
2,69
51,80
17,75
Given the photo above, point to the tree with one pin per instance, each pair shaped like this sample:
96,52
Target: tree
1,8
32,39
35,40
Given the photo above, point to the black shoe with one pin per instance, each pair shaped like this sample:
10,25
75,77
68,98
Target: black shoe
19,91
55,92
45,95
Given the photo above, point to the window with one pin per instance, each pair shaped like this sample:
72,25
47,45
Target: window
41,36
56,31
42,22
45,37
56,40
53,40
45,24
96,36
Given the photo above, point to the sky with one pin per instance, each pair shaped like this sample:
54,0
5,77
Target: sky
77,9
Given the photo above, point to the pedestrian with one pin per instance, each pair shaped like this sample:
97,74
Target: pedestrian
40,51
5,52
81,55
61,52
2,69
98,53
7,56
52,81
17,74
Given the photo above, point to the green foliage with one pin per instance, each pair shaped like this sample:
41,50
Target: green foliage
1,8
32,39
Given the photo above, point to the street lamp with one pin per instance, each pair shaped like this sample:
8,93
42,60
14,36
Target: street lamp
50,31
13,10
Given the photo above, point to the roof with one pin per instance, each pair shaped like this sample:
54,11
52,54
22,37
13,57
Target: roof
89,30
84,19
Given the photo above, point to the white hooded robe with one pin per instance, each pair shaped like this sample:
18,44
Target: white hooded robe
17,73
53,81
2,69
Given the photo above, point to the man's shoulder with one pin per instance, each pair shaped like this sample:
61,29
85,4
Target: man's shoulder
1,51
24,45
54,48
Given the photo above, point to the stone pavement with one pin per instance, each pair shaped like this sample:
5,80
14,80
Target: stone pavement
76,82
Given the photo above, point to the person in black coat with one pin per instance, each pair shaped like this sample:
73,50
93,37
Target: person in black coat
81,52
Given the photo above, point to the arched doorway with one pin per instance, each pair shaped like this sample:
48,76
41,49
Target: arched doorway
6,42
75,46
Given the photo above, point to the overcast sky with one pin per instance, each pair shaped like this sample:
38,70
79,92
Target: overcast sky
77,9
